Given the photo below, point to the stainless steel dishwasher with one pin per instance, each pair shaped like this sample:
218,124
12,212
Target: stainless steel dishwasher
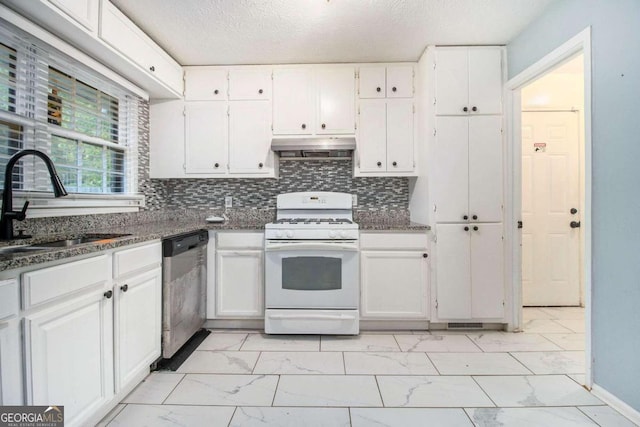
184,285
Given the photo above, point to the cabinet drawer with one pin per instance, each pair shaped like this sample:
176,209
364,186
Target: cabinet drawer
56,282
136,259
395,241
205,84
9,299
240,240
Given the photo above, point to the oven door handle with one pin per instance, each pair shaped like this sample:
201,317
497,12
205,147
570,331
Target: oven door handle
312,317
311,246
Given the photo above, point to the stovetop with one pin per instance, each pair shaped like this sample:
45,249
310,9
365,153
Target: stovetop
330,221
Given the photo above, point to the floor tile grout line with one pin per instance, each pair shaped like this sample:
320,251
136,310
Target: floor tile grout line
256,364
520,362
275,391
398,344
232,415
350,419
474,343
174,388
375,377
484,391
344,363
467,414
432,363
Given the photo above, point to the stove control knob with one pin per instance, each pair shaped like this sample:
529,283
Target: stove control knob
289,234
278,234
343,234
332,234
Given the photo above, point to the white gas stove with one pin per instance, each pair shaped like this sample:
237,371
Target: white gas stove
312,281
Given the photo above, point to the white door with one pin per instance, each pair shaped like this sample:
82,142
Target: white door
70,349
450,182
371,82
485,80
394,284
336,101
550,190
400,135
487,271
139,324
10,363
293,101
250,137
206,137
485,168
453,271
240,283
400,81
372,135
452,81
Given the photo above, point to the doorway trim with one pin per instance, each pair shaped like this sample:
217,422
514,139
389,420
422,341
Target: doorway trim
579,43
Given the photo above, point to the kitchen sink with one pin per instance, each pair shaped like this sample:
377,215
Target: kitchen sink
89,238
20,249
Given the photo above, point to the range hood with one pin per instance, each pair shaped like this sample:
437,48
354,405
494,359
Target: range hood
314,147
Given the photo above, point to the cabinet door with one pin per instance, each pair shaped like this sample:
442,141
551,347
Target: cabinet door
206,137
450,163
400,81
293,101
239,283
485,168
394,284
10,362
250,137
84,12
205,84
452,81
336,101
372,135
371,82
400,135
453,272
485,80
487,272
166,139
70,350
138,324
252,84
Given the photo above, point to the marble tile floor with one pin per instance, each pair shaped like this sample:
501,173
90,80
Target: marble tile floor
408,378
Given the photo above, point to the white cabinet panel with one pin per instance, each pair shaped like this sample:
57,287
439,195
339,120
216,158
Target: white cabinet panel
485,168
487,272
450,169
84,12
250,137
138,324
400,81
372,135
140,258
394,284
336,100
250,84
206,127
166,139
452,81
239,283
205,84
485,80
372,82
293,101
11,379
453,270
400,135
70,349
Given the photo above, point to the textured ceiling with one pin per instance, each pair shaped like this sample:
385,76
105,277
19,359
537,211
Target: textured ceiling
210,32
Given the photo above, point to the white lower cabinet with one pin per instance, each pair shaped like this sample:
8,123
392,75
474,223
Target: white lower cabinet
394,276
469,272
239,265
10,345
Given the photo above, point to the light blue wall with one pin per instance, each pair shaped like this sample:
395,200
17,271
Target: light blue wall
615,50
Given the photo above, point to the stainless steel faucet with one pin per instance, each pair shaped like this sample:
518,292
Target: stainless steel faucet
8,214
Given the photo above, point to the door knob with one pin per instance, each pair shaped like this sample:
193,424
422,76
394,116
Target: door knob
465,217
519,224
108,294
378,89
465,109
466,228
124,288
574,224
475,228
475,217
573,211
474,109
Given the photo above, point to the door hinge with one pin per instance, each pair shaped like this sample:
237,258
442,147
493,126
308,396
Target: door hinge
434,100
184,167
272,75
271,127
434,132
413,106
228,110
434,65
184,111
355,125
435,208
436,303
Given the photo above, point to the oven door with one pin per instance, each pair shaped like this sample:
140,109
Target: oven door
312,274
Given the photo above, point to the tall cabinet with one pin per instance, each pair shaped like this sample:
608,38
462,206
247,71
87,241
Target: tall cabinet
467,185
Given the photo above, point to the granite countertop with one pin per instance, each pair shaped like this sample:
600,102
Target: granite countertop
139,233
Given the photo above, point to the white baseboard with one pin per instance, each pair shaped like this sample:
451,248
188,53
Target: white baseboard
616,403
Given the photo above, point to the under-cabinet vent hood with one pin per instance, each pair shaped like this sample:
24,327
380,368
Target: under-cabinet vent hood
340,147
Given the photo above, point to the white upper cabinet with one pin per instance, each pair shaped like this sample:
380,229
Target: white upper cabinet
123,35
372,135
400,81
84,12
206,139
205,84
293,98
468,81
336,100
400,129
385,82
250,137
372,82
250,84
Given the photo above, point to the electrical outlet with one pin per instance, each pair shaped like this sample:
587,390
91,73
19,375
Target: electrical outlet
228,202
354,200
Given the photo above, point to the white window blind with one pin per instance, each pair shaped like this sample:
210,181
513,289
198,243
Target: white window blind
85,123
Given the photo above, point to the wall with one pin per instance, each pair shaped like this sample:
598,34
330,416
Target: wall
616,176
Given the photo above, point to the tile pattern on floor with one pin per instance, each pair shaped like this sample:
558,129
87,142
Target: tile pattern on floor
398,378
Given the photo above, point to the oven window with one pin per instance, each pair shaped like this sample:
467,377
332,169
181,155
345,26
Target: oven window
311,273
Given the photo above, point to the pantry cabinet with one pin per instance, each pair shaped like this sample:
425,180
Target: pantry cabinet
394,276
468,81
11,392
469,272
239,268
467,169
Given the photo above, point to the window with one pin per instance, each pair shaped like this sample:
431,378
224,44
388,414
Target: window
84,122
